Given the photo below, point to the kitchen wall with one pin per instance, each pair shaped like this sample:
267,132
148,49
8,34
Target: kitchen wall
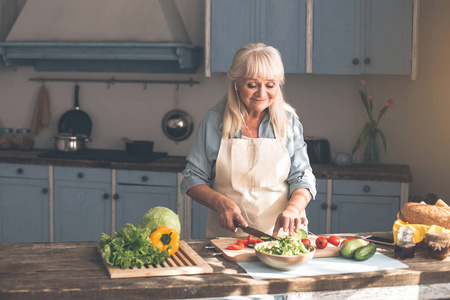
416,127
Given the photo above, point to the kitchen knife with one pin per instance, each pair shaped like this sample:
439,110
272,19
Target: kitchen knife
256,232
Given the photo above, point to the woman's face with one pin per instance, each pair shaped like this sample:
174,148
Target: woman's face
257,94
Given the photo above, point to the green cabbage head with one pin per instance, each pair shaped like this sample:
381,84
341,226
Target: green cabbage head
160,216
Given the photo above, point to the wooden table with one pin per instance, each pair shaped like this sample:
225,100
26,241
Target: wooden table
75,270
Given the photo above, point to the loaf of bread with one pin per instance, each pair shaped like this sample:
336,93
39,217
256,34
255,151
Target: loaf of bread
421,213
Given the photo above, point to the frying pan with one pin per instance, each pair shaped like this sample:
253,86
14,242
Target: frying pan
75,121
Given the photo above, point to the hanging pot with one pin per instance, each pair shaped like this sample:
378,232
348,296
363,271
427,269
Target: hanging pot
75,121
177,125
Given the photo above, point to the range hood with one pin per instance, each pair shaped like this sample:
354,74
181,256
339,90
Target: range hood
143,36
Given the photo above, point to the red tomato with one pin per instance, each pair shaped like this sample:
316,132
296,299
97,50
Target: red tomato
243,241
350,239
306,241
258,240
249,238
321,242
241,244
334,240
235,247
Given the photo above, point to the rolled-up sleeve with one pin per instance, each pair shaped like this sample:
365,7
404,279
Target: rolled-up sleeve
300,175
201,161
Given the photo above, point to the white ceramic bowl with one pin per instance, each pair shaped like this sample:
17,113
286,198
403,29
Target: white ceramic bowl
284,262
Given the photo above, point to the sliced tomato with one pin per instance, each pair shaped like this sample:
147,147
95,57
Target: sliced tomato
243,241
235,247
249,237
241,244
334,240
306,241
258,240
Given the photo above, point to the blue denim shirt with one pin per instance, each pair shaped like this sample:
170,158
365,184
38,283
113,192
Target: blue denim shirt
201,165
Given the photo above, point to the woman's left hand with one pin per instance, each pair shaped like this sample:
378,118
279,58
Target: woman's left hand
290,221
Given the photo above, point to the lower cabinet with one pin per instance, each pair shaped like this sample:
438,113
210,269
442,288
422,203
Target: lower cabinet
316,210
198,217
82,203
24,203
138,191
364,206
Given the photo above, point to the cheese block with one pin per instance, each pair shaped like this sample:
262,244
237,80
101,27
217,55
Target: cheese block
420,213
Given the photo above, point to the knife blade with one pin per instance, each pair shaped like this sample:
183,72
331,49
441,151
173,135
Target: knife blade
256,232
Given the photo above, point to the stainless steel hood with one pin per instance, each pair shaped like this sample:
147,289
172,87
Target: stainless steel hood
143,36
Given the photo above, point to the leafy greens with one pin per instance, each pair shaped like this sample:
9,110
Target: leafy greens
285,246
130,247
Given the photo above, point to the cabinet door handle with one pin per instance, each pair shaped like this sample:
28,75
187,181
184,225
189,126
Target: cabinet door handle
355,61
366,188
80,175
116,197
144,178
44,191
105,196
19,171
324,206
333,206
367,61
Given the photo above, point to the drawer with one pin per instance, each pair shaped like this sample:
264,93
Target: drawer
372,188
147,178
23,171
321,185
82,174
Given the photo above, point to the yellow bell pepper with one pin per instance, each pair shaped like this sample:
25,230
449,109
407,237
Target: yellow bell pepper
164,237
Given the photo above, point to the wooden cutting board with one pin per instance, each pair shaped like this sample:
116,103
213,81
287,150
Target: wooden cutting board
184,261
248,254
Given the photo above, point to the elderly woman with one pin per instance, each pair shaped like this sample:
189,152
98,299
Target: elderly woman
249,163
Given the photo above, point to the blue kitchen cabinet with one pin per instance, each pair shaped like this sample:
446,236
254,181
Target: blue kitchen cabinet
364,206
362,37
24,203
278,23
198,217
316,210
82,203
138,191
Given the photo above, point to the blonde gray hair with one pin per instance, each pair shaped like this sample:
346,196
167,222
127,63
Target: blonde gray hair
256,61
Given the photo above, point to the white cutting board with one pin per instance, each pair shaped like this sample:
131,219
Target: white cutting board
324,266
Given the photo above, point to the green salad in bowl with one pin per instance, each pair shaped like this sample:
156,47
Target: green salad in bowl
287,253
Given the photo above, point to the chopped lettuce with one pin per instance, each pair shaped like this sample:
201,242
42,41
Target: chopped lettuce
285,246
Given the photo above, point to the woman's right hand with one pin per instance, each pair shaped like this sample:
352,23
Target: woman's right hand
229,214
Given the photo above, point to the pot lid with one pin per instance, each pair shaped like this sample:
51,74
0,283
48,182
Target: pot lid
73,137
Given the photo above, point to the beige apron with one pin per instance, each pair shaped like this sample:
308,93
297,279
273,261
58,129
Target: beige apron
257,168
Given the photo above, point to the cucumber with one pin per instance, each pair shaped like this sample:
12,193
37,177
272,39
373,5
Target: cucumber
365,252
349,248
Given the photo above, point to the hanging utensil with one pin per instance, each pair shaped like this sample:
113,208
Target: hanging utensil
75,121
177,124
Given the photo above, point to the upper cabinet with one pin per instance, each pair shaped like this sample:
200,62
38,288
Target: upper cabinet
345,37
279,23
362,37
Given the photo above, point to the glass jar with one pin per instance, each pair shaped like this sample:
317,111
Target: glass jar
438,244
404,248
24,139
6,137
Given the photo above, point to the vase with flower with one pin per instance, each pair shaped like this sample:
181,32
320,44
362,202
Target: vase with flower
370,132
